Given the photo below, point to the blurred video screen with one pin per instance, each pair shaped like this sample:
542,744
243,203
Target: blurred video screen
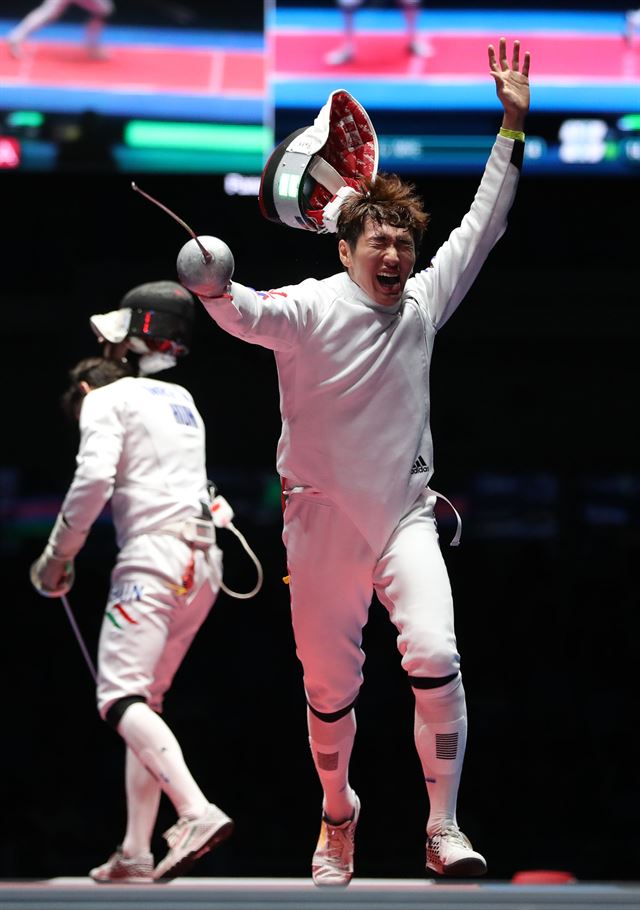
198,86
155,85
422,74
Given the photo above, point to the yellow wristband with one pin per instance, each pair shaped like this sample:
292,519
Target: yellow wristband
512,134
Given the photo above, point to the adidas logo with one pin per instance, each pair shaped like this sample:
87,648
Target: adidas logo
420,466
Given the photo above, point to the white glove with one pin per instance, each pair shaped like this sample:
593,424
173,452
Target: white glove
221,512
52,576
64,541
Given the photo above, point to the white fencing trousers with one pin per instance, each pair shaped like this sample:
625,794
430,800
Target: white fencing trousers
149,625
332,576
51,10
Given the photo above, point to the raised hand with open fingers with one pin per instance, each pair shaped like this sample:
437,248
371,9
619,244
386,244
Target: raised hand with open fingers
512,83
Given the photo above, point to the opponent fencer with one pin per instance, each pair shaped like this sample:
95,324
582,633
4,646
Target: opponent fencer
355,454
346,51
631,25
142,446
50,11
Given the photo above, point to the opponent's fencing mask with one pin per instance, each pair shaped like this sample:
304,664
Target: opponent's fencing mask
157,320
312,171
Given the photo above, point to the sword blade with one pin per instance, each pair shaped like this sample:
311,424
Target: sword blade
78,635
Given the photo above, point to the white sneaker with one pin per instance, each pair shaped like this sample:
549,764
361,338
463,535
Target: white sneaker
125,870
340,55
451,853
632,24
15,48
421,49
332,862
191,838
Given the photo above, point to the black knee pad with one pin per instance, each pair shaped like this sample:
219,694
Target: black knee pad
117,709
430,682
335,715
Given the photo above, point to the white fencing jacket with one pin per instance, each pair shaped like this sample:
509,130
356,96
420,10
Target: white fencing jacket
142,445
354,376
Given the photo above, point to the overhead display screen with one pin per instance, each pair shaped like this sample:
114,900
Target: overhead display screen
148,86
200,87
422,74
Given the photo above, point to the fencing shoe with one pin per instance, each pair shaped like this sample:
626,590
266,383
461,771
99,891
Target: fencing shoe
125,870
191,838
341,55
451,853
421,49
332,862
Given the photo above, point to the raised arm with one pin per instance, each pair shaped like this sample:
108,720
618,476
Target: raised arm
512,83
458,261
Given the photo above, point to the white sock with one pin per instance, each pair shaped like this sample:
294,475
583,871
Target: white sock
411,18
34,21
143,799
331,745
93,31
440,732
349,28
146,733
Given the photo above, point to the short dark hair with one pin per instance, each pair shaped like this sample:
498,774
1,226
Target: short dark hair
96,372
386,200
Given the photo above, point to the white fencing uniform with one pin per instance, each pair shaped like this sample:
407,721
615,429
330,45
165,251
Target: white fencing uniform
51,10
142,446
356,454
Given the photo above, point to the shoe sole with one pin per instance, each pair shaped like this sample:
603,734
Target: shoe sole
326,884
183,865
464,868
122,881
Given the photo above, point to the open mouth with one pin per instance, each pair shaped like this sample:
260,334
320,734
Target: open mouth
388,281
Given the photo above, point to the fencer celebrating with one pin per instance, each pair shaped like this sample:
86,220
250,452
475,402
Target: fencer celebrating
142,446
355,454
50,10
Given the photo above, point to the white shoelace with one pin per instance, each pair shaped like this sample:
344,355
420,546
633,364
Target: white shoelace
338,840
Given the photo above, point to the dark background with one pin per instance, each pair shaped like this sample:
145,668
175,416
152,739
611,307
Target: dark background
535,404
534,392
241,14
